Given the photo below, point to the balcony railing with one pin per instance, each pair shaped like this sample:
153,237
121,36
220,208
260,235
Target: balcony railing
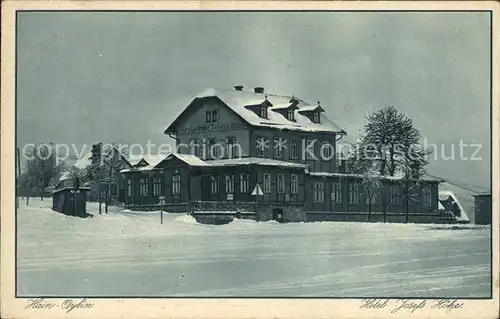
223,206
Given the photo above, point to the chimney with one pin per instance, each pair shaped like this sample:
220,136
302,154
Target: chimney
238,87
258,89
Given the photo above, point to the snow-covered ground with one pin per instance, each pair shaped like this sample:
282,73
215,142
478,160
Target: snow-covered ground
132,254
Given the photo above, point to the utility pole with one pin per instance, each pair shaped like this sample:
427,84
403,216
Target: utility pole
407,201
162,203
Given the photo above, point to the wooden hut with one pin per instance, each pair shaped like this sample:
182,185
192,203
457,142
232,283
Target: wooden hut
70,201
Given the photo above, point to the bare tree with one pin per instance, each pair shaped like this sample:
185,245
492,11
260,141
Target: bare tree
371,186
106,173
411,184
390,139
42,168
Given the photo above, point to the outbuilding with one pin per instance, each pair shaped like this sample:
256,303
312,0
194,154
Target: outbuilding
482,209
70,201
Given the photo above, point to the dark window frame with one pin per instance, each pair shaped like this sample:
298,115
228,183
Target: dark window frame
143,186
214,184
157,187
294,190
176,184
280,187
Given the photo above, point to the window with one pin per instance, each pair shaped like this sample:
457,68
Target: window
263,112
214,149
309,149
318,192
375,198
353,193
327,151
244,183
279,144
281,183
337,192
294,184
143,186
427,197
267,183
290,115
394,196
211,116
176,184
231,147
229,184
203,152
215,184
129,187
261,145
156,186
193,147
293,149
316,117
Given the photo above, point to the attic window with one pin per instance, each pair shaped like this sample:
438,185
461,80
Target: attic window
316,118
211,116
263,112
290,114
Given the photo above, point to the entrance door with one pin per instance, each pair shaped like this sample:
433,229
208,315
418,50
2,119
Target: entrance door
278,214
205,188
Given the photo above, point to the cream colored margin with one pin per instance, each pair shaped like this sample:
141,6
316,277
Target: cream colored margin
216,308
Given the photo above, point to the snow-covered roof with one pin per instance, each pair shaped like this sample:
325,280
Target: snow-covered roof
281,106
254,161
396,177
69,188
84,161
140,169
238,100
154,160
190,159
445,194
65,176
482,194
134,159
311,108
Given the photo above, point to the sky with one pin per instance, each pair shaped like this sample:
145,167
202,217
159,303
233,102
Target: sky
122,77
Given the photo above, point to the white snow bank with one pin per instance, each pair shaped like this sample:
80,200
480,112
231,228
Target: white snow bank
185,218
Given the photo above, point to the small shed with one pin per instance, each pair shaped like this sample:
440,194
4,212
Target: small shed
70,201
482,209
451,204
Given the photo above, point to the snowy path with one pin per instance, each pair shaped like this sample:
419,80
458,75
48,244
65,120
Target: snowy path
131,254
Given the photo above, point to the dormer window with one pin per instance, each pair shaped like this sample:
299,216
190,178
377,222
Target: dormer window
259,107
316,117
263,112
313,113
290,114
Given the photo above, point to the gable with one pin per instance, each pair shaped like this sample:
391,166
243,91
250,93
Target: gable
238,101
194,117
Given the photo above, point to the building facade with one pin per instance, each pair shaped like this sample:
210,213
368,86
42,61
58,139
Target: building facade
482,209
230,141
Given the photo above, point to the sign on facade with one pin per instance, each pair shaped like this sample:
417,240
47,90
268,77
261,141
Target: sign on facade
162,200
211,127
229,196
257,190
